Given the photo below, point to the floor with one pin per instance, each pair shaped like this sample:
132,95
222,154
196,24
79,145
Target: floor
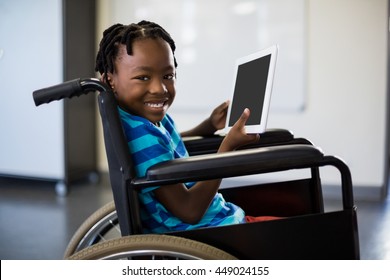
35,223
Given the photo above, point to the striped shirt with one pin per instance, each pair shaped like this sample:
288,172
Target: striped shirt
150,144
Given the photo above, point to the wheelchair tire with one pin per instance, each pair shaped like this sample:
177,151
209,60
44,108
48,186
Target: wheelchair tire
151,246
100,226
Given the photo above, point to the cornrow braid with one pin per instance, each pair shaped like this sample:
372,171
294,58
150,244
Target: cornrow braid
126,35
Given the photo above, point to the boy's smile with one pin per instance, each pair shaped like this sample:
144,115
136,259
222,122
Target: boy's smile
144,82
158,105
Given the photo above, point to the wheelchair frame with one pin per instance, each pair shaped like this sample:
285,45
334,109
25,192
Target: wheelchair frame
103,224
306,232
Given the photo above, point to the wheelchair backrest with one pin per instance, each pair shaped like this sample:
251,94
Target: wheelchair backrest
120,165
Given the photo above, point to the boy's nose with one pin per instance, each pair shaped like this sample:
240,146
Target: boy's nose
158,87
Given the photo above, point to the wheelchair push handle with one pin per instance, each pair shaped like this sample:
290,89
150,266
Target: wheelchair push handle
68,89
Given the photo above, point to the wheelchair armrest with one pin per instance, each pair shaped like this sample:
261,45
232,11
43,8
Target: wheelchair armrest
210,144
200,145
246,162
231,164
276,135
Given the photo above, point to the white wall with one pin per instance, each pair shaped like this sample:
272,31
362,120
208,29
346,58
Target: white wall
32,139
347,76
345,81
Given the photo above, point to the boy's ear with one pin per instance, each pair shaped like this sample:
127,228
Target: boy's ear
107,78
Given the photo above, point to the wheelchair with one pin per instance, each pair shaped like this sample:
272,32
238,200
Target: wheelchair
103,223
306,231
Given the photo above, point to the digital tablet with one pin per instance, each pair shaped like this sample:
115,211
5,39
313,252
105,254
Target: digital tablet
252,88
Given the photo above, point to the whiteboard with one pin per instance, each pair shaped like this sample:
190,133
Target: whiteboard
211,35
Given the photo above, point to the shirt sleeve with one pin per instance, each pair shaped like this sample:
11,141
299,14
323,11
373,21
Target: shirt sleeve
148,149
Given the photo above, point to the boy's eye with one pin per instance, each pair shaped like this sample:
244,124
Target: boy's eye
142,78
169,76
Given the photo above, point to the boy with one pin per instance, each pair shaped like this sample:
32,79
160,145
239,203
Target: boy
138,62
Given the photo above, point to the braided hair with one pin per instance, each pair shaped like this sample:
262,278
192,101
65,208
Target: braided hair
126,35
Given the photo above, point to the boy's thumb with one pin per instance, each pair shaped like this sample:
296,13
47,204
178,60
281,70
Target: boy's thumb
244,116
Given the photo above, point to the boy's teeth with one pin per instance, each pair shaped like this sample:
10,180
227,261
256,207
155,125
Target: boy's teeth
155,105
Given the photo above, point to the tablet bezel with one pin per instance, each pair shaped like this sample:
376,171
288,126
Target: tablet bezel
261,126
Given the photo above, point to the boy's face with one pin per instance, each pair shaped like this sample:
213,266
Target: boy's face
144,83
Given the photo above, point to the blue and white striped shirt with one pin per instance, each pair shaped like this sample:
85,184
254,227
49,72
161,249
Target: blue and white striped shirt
150,144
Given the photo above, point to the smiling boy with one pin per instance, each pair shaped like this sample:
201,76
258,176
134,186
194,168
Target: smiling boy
138,62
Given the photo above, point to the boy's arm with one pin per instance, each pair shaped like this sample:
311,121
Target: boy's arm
189,205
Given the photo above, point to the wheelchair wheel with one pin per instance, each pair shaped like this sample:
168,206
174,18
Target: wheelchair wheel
152,247
100,226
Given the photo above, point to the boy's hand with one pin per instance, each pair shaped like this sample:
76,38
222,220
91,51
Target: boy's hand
218,116
209,126
237,135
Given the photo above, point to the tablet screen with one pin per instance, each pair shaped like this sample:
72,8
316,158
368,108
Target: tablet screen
252,89
249,91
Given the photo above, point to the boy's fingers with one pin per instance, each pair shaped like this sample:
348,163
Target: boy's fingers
256,138
244,116
224,106
221,107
